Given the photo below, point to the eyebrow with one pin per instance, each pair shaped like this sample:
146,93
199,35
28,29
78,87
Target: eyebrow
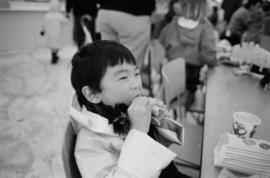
124,71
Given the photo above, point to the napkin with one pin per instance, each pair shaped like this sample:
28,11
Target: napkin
225,173
244,155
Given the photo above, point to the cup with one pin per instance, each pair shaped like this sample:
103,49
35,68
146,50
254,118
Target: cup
244,124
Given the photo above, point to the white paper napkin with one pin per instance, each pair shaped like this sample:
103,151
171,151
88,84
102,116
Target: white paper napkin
243,155
225,173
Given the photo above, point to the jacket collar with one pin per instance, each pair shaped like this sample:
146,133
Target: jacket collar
89,120
187,23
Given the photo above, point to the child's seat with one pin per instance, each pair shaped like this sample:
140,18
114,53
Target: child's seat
68,147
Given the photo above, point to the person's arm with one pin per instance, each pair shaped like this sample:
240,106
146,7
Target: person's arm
139,157
69,6
164,39
208,53
162,36
43,29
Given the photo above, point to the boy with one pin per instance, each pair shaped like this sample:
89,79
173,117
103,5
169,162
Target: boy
116,138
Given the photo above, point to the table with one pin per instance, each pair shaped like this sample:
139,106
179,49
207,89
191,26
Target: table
228,93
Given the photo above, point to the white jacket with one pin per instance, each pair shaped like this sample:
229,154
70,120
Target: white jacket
100,153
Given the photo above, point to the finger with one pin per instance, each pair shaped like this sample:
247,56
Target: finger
156,102
145,103
140,103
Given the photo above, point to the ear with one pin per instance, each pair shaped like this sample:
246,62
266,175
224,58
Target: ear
91,96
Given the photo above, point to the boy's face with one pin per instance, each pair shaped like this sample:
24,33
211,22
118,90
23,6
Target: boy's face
120,84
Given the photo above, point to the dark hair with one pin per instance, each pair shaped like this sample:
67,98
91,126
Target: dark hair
250,3
169,15
266,6
90,63
193,9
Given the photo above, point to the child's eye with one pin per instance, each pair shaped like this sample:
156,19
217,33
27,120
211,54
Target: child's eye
123,78
137,73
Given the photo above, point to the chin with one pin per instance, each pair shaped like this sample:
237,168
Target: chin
128,102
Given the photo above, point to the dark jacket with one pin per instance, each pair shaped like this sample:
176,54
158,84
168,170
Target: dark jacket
134,7
82,7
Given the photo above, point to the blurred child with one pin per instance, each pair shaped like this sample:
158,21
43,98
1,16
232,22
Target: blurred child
191,36
52,28
118,137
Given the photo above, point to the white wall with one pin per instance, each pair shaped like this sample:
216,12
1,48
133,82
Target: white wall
19,29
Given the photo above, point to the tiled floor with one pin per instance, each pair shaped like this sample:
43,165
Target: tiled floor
34,97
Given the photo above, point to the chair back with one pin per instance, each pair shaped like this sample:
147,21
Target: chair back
83,21
68,148
174,79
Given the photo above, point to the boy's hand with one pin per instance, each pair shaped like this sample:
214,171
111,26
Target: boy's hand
140,114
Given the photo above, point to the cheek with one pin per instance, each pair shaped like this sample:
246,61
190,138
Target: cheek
116,95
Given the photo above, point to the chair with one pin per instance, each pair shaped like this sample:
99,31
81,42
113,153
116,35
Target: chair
189,154
83,20
174,81
68,158
151,67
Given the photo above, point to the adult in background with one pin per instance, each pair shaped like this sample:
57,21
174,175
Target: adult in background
240,20
229,7
127,22
80,8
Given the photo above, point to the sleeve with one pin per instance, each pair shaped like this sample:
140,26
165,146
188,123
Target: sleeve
208,45
164,39
140,156
63,19
162,36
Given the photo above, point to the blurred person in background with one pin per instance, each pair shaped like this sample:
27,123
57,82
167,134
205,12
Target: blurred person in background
127,22
79,9
266,9
239,22
52,29
229,7
254,27
190,35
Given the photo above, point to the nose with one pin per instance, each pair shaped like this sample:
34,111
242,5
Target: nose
136,83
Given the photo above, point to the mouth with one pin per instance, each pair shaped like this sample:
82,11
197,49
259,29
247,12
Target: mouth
138,95
135,96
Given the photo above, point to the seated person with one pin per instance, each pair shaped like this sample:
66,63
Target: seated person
254,27
239,21
118,137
